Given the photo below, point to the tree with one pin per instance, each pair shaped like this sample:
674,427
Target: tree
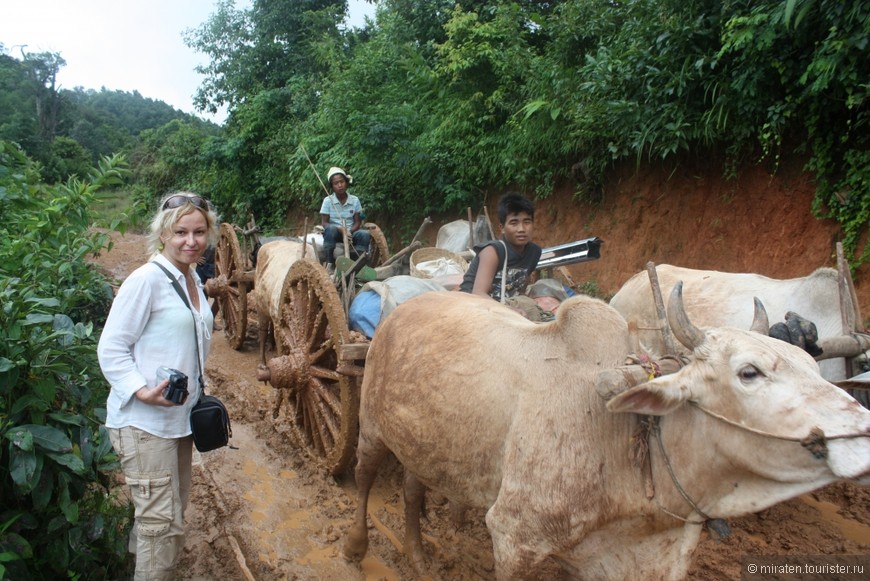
67,159
42,68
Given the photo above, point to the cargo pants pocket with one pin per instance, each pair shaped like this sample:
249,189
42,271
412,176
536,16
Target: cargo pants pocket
152,499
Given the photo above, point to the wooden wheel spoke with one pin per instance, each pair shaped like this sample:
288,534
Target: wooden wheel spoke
317,420
318,329
326,397
326,348
327,425
325,373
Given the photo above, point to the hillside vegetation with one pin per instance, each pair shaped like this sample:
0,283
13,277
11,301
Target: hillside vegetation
440,103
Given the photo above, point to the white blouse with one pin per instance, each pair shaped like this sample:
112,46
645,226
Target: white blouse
148,327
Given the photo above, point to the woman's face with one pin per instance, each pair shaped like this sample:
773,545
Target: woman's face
186,241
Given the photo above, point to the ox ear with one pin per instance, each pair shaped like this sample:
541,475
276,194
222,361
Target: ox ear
654,398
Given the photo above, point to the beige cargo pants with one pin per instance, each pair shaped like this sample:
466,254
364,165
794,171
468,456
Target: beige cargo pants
158,472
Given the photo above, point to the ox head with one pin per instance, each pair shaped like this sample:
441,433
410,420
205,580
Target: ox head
762,396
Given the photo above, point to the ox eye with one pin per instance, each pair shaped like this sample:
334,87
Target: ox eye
748,373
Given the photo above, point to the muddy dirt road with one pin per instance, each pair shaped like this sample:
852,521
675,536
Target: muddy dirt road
263,510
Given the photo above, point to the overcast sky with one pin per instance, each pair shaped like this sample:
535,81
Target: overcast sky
126,45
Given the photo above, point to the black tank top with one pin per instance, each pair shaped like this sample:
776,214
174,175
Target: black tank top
519,268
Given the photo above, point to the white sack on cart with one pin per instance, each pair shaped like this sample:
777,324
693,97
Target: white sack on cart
442,266
455,237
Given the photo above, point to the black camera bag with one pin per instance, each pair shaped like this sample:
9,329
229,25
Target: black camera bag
209,420
210,424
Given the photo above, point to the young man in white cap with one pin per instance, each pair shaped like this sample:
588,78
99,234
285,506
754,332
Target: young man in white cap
339,211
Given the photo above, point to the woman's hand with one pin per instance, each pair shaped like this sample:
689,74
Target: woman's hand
154,395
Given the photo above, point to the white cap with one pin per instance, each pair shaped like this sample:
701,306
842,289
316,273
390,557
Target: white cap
337,170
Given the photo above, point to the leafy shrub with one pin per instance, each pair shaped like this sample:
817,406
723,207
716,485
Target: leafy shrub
58,517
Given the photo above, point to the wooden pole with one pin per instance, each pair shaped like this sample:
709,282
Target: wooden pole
305,238
848,301
489,223
847,313
420,230
850,284
470,230
402,253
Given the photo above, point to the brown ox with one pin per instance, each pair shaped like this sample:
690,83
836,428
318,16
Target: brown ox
494,411
274,259
724,299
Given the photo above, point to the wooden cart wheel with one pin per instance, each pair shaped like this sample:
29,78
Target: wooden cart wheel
321,405
233,295
380,251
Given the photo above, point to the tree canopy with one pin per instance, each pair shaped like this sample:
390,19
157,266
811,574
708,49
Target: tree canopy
439,101
68,131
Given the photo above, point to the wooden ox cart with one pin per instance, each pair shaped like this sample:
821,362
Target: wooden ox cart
235,274
319,361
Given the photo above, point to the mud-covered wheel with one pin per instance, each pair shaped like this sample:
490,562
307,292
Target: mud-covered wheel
233,294
320,404
379,249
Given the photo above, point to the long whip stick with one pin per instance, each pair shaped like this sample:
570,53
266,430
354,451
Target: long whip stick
329,195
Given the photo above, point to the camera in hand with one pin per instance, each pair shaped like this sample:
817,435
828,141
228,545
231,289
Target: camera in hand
176,391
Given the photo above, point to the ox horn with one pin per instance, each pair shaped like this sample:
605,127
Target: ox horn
760,322
685,332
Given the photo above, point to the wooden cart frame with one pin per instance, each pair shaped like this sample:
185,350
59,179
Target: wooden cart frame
317,368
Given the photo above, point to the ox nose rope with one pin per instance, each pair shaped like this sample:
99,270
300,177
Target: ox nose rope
816,442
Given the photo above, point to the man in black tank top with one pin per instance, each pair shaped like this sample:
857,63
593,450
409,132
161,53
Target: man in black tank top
516,216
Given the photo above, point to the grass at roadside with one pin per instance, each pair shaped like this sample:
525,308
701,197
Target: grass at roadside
111,204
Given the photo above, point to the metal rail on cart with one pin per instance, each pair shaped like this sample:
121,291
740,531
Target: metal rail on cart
570,253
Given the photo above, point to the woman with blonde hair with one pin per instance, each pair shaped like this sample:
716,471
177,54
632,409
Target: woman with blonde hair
150,327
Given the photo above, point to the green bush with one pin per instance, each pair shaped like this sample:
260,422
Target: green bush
59,518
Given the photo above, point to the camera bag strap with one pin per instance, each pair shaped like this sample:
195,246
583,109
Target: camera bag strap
209,420
181,294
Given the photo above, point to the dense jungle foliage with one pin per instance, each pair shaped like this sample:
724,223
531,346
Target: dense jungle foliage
440,102
58,518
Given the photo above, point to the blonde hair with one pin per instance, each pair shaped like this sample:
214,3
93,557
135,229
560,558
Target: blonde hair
165,219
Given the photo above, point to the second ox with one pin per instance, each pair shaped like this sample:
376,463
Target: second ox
724,299
494,411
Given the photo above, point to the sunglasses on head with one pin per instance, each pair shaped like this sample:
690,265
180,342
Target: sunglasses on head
180,199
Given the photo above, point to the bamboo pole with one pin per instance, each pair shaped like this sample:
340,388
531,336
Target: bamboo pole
470,230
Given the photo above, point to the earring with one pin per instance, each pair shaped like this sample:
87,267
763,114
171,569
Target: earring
161,246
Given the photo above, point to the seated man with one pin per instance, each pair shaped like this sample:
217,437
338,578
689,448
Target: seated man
341,212
516,216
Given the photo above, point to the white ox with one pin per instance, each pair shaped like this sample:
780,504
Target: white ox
724,299
494,411
274,259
